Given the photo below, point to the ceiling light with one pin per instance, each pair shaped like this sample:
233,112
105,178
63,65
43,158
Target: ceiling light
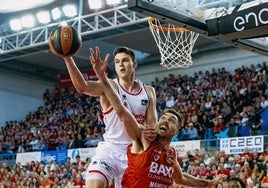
15,24
27,21
56,13
63,23
94,4
69,10
43,17
113,2
18,5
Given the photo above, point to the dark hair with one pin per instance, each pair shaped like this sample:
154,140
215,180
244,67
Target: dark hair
237,183
172,111
123,49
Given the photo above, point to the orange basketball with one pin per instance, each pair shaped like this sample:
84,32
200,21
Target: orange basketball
64,41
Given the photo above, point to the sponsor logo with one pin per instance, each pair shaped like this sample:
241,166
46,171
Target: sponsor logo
144,102
106,166
256,18
160,169
156,157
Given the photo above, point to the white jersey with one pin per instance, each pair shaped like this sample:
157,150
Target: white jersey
137,103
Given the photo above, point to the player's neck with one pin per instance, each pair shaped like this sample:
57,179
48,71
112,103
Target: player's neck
163,142
129,84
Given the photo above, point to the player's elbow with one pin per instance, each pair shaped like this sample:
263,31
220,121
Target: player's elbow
121,113
80,87
178,179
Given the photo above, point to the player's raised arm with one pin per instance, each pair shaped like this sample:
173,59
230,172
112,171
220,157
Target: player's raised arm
129,122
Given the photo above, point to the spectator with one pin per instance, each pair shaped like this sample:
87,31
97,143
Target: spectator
184,163
218,124
264,101
203,171
246,170
223,170
170,103
79,164
45,181
264,181
226,111
35,143
78,182
231,163
258,172
213,171
192,132
255,120
68,164
245,153
206,159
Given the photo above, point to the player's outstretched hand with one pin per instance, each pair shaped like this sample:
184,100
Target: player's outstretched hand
98,64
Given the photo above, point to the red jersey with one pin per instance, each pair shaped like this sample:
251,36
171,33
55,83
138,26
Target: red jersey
152,168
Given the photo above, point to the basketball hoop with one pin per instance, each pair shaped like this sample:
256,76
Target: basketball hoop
175,44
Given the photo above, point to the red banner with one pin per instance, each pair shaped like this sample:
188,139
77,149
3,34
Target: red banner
65,80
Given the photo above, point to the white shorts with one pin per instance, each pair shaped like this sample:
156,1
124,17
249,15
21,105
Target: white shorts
110,161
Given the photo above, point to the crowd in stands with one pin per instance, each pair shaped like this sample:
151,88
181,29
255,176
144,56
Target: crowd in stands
249,167
214,100
38,175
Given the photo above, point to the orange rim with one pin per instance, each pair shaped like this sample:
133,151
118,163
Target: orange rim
166,29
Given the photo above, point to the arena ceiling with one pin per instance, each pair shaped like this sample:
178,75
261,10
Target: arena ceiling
41,64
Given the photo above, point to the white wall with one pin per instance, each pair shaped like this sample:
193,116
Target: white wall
19,96
230,59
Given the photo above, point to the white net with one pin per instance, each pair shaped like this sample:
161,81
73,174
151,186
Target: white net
175,44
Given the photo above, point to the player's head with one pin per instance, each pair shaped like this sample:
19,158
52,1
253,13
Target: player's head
168,124
126,50
125,61
236,183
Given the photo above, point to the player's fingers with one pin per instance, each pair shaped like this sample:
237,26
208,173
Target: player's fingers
92,60
97,52
92,55
151,131
107,57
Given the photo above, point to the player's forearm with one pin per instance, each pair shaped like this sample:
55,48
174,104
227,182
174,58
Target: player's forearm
192,181
75,75
151,115
92,88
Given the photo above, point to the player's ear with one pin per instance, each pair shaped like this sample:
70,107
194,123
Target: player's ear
135,64
177,130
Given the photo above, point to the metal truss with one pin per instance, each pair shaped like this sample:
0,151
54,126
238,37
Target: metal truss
90,26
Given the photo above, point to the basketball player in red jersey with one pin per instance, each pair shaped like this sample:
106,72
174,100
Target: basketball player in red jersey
110,160
150,164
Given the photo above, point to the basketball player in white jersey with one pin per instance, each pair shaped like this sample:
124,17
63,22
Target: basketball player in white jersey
110,160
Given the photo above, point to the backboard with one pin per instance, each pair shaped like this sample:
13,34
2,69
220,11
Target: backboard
241,23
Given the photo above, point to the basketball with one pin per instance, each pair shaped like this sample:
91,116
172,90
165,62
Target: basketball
64,41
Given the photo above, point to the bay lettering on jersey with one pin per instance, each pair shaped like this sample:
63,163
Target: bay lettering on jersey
161,169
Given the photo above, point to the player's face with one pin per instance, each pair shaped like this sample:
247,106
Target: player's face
167,125
124,66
